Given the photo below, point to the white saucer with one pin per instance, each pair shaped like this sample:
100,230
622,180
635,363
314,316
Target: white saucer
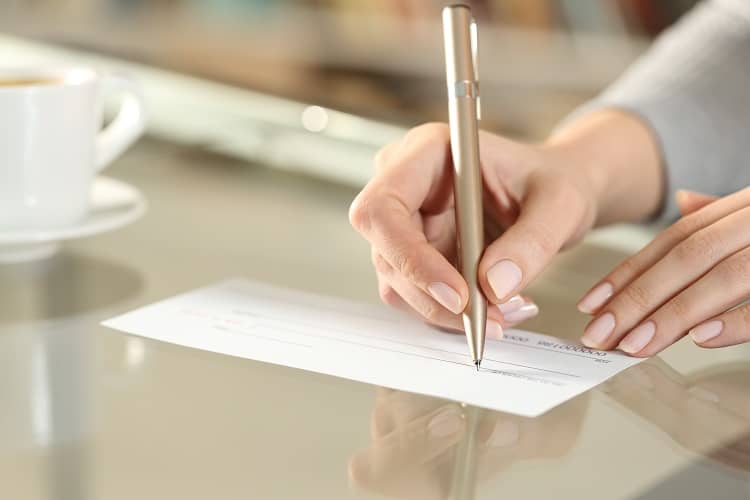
113,204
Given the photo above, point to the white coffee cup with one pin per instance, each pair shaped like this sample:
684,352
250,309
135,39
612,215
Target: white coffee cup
52,145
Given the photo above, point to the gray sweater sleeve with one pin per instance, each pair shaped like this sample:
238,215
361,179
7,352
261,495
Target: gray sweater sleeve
693,89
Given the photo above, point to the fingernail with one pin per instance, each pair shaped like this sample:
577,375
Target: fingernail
446,296
706,331
598,331
446,423
704,394
513,304
504,277
681,196
526,312
638,338
595,298
494,330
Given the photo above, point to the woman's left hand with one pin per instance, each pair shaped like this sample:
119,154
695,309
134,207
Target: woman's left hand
688,280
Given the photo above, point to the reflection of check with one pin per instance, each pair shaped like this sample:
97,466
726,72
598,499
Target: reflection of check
525,373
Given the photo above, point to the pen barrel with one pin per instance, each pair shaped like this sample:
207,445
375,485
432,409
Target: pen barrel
467,177
467,185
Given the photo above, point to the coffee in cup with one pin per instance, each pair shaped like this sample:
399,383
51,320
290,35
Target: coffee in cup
22,82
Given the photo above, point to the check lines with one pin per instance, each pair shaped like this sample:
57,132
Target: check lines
546,349
303,329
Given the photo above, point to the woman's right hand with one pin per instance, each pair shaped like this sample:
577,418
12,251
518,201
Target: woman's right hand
537,200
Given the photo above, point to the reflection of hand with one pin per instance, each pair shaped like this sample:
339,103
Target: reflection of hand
414,438
706,413
411,442
687,280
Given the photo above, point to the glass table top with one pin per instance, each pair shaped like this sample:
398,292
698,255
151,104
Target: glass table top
90,413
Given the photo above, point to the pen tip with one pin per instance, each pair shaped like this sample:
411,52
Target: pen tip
477,362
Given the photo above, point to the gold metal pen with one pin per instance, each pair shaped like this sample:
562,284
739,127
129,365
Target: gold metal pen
460,37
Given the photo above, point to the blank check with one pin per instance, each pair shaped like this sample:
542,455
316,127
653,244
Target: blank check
525,373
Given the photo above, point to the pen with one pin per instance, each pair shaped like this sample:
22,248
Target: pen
460,37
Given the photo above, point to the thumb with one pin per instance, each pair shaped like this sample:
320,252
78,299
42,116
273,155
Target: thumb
691,201
548,218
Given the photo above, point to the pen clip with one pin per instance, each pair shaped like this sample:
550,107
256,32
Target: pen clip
473,34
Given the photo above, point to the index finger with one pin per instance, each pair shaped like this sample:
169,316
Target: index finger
415,178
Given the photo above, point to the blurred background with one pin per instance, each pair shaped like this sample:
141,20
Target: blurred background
309,70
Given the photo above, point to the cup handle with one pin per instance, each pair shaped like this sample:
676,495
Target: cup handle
128,124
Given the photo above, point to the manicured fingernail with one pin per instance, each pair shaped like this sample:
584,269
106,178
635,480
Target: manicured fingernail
598,331
513,304
638,338
525,312
494,330
704,394
504,277
706,331
446,423
681,196
596,298
446,296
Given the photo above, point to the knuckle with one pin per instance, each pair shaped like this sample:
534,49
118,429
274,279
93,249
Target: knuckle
359,216
365,211
623,272
697,247
678,231
628,267
543,241
406,262
382,156
638,297
389,296
430,311
685,227
381,265
735,269
744,313
679,307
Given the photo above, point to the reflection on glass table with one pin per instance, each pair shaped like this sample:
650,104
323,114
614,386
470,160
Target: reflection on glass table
48,317
418,444
707,413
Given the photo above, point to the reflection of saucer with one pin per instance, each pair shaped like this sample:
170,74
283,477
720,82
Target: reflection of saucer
113,205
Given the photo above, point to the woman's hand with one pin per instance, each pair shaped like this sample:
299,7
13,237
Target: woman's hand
688,280
536,200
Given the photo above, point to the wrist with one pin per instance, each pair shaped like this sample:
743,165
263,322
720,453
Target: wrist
617,156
